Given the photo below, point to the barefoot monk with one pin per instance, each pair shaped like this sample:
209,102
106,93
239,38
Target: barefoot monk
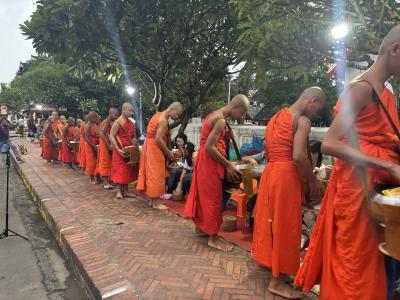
204,202
105,149
277,219
343,255
155,153
91,137
123,134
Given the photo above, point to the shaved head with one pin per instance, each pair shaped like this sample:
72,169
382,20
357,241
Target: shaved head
126,105
313,93
113,110
176,106
127,110
240,100
392,37
310,102
175,110
238,107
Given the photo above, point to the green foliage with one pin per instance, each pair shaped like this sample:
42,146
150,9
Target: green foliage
42,80
208,106
288,44
292,38
87,105
165,44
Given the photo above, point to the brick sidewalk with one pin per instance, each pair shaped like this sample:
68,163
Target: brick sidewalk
123,249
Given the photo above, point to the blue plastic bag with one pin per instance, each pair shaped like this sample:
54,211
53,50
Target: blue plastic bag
4,149
257,143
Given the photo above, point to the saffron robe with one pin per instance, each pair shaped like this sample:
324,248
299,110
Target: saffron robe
277,219
343,255
82,143
104,155
152,170
66,154
121,172
204,202
49,151
54,126
90,154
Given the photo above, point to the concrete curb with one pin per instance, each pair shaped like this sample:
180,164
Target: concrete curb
72,259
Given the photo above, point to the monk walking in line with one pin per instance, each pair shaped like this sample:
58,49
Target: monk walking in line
204,202
343,255
82,144
55,125
123,134
49,152
105,149
277,220
92,137
67,152
155,153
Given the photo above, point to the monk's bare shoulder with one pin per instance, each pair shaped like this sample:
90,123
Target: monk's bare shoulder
358,94
304,124
162,120
120,121
216,117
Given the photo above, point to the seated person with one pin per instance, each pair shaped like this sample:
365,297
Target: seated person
256,159
322,171
175,171
186,176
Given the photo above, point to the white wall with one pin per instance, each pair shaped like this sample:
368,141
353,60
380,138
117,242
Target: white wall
243,133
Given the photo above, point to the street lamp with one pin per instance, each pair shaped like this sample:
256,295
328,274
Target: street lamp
39,107
340,31
130,90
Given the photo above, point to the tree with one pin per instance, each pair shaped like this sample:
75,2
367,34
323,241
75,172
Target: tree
293,37
42,80
161,41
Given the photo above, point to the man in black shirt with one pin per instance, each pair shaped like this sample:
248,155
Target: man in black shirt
5,139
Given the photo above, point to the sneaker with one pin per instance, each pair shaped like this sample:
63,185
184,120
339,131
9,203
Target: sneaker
20,160
166,196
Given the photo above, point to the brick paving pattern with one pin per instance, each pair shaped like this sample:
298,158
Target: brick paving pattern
123,249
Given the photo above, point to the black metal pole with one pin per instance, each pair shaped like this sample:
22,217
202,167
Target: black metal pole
7,187
6,230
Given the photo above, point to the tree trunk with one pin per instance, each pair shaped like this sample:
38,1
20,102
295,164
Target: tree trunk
184,122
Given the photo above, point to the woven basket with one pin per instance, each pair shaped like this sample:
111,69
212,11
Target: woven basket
229,223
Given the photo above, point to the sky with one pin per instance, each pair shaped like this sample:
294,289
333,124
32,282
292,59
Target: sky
13,46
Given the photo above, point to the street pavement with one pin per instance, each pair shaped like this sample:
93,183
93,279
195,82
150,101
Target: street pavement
34,269
125,250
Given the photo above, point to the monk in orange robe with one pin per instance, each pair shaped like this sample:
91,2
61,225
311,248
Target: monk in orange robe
155,154
67,152
343,255
204,201
82,144
49,152
54,127
105,149
123,134
277,219
78,125
59,131
92,137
